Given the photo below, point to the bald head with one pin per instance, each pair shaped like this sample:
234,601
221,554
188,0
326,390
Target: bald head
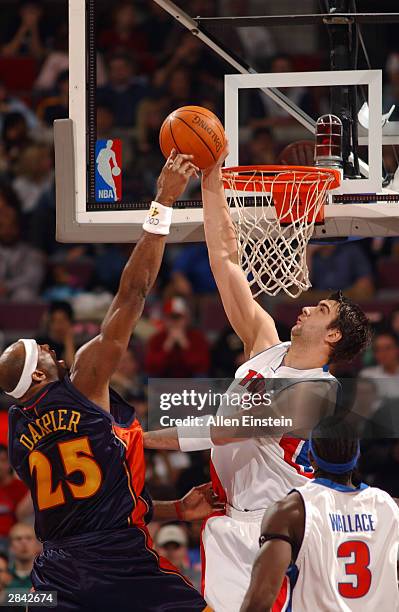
46,368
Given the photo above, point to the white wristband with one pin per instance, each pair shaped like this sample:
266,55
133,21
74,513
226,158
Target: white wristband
158,219
194,437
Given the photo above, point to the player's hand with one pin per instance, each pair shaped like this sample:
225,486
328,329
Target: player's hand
174,177
214,171
200,502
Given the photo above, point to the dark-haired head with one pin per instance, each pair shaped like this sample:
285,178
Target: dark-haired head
332,331
334,441
354,327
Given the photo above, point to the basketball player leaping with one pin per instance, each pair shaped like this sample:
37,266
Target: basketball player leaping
78,447
253,474
333,545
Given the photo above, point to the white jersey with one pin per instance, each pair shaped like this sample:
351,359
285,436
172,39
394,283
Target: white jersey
347,561
258,472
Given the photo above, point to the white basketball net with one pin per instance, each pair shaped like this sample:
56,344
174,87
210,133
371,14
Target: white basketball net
272,254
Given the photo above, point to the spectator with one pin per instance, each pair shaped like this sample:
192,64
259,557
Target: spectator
13,494
172,543
191,272
227,354
179,351
23,547
56,62
34,175
260,149
27,36
10,104
190,55
264,112
366,404
15,138
128,379
124,91
21,266
109,263
56,107
5,579
59,331
394,321
344,266
159,28
179,88
391,89
151,114
127,36
386,373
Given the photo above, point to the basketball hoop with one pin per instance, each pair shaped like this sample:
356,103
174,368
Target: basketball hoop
276,210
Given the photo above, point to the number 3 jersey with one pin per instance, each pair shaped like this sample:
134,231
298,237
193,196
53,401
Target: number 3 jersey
84,466
347,561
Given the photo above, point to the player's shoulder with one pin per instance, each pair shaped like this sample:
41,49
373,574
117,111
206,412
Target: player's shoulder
268,355
382,497
288,508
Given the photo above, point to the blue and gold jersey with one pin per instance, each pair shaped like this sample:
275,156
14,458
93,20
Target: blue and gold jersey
84,467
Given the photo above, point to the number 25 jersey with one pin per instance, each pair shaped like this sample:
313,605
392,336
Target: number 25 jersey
84,466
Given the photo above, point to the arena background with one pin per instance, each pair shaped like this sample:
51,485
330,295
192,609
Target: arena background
148,66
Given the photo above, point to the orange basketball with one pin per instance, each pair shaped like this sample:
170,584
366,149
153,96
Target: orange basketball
193,130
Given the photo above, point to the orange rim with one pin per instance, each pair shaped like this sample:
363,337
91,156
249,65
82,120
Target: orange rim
281,174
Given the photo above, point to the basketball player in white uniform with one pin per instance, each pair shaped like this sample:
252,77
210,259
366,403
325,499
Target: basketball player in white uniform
332,545
250,476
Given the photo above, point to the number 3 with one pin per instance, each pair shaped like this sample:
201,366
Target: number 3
358,567
76,456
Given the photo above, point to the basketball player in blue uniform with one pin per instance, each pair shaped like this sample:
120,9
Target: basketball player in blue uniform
79,448
329,545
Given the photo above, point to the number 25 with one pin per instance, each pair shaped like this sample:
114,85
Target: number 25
76,456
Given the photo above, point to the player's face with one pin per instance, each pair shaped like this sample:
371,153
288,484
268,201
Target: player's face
48,362
314,322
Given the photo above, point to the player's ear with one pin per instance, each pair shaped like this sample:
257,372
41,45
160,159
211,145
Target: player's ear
333,335
39,376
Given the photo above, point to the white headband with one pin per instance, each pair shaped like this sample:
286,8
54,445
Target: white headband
30,365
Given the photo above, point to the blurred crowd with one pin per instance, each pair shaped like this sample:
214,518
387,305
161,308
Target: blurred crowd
147,65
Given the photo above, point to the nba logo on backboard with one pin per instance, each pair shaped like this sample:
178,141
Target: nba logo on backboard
108,170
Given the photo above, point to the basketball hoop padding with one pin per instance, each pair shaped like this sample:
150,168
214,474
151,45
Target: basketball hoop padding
276,210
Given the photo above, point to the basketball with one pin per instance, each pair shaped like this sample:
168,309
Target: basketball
193,130
116,171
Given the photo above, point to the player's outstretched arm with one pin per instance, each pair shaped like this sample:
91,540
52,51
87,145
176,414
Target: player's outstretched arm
97,360
253,325
285,518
